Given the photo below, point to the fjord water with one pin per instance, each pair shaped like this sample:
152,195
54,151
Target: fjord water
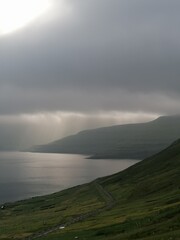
24,175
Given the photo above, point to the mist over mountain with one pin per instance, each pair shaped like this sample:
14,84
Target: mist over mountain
87,64
135,141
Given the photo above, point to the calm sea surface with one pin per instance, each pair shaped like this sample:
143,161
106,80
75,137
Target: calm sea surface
24,175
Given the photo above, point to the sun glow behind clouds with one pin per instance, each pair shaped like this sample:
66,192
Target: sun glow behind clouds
16,14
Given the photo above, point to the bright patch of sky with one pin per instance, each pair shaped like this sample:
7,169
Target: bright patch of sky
16,14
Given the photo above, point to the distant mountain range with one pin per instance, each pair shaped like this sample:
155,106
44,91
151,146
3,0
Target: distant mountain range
134,141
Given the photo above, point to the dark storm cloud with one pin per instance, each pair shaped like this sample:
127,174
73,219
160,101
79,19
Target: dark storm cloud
101,48
88,56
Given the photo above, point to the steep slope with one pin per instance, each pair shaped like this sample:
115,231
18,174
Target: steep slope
159,173
124,141
142,202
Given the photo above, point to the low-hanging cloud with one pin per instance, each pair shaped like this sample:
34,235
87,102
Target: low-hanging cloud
22,131
90,56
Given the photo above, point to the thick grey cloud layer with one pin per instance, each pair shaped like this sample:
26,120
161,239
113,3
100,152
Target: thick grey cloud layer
109,55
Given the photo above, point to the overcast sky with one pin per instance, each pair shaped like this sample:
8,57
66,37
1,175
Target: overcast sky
89,63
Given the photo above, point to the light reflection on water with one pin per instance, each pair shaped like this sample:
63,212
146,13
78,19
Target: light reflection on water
24,175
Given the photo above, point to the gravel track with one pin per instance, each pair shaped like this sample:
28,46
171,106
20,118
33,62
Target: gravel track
109,200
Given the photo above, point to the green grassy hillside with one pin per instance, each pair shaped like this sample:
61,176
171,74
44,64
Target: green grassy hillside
136,141
142,202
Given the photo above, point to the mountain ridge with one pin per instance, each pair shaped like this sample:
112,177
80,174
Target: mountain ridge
136,141
141,202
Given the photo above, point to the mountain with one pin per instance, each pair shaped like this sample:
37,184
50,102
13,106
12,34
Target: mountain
134,141
141,202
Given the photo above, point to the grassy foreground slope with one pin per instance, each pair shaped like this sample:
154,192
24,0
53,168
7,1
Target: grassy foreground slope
142,202
135,141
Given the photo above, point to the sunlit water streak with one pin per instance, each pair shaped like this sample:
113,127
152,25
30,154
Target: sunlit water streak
24,175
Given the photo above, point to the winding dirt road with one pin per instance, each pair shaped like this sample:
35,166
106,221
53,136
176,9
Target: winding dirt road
109,200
